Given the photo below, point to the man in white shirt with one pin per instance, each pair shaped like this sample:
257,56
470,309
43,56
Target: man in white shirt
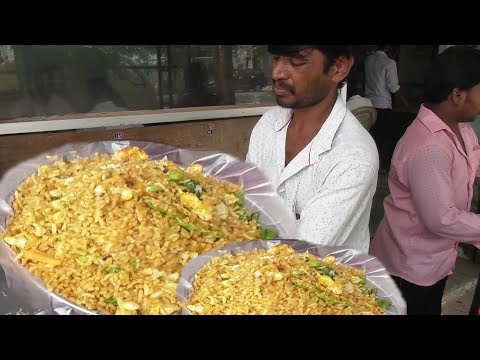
319,158
51,96
47,98
381,81
29,106
104,99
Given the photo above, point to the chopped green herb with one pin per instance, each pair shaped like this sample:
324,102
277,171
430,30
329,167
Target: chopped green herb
384,303
326,298
363,279
240,195
315,264
246,216
182,223
328,271
176,176
299,284
111,301
213,233
186,225
154,207
194,187
299,272
133,264
268,234
154,188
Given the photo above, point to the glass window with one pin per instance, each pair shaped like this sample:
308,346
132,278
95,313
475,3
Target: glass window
44,80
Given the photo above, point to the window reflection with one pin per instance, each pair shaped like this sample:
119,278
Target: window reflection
45,80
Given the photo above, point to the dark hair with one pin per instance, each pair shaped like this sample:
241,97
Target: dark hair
99,87
100,90
331,52
456,67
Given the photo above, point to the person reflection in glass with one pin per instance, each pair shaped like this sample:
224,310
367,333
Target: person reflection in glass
196,87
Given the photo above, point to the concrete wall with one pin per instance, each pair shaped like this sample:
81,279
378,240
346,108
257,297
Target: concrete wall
228,135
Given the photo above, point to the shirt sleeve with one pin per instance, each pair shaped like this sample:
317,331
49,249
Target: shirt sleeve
330,217
391,77
428,172
253,146
476,152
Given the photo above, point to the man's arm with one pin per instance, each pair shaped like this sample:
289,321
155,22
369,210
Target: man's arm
345,195
429,177
257,138
391,79
252,152
474,134
404,101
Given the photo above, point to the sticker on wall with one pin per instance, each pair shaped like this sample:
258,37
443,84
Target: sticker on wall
210,128
119,135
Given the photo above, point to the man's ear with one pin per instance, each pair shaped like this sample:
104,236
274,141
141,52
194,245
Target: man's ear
340,68
458,96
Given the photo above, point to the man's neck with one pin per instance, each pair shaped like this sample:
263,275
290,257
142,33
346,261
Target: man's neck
445,115
305,125
311,119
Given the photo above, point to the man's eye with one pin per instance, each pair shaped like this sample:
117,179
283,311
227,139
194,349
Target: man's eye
298,62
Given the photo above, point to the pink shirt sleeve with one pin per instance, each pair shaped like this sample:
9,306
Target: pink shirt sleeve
428,172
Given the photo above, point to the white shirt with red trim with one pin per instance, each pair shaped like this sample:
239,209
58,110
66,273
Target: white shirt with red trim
329,186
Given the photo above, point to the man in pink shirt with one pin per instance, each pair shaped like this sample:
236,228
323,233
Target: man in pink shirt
435,163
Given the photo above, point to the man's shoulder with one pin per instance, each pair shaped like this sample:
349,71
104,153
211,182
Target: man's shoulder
418,136
354,134
390,62
272,119
354,144
418,140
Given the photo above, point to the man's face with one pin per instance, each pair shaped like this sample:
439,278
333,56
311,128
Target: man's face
299,81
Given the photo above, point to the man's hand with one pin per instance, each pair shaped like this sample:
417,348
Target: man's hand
404,101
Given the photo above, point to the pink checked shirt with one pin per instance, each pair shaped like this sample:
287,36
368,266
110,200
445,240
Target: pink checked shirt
427,212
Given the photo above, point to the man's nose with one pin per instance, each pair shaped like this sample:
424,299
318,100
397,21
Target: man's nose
279,70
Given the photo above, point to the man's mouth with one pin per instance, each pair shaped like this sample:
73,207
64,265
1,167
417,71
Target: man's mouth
280,90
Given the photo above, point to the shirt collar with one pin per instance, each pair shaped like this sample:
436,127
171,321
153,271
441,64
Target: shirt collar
324,139
435,124
431,120
382,53
284,116
282,119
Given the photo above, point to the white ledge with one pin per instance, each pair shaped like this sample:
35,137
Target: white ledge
73,122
